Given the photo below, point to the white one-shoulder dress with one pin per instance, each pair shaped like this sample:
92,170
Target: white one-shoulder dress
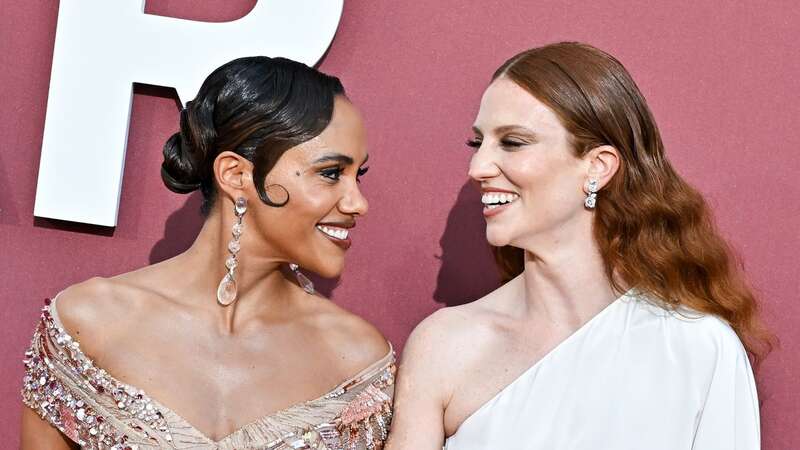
636,376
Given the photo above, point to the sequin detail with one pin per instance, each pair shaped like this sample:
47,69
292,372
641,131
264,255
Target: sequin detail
73,414
363,423
97,411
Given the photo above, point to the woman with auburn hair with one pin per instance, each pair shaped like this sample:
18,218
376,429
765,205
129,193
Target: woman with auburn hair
624,322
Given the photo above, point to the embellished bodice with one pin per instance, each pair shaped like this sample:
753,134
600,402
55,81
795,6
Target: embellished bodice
97,411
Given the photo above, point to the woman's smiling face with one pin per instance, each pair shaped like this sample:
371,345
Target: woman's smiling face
531,181
321,177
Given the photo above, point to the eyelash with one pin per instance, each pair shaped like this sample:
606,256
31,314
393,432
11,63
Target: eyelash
511,144
475,143
334,173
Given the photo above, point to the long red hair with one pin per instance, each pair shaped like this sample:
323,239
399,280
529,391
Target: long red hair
654,230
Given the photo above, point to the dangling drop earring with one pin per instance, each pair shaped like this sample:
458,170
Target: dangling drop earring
226,291
302,280
591,197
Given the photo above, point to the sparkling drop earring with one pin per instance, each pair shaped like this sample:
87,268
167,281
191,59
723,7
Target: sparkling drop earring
591,197
302,280
226,291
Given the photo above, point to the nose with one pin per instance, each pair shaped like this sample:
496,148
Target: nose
482,166
354,202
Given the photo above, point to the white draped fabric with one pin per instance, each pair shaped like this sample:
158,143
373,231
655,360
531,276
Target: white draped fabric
636,376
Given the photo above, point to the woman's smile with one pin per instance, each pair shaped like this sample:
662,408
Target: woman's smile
338,233
496,201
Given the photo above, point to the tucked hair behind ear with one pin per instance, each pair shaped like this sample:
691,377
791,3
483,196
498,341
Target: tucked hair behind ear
653,229
257,107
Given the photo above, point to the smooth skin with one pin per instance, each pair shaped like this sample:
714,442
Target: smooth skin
461,357
161,329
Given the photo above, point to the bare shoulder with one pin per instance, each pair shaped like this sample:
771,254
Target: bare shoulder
450,335
83,305
443,331
437,362
357,342
94,311
452,340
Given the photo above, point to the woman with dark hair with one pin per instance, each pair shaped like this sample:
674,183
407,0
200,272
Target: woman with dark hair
217,348
624,322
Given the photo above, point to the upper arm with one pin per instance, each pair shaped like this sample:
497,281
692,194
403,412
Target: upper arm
421,391
730,415
76,312
38,434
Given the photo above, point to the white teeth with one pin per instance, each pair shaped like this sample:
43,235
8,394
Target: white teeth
336,233
496,199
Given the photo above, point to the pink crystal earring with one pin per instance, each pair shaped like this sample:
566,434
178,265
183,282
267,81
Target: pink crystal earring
226,291
302,280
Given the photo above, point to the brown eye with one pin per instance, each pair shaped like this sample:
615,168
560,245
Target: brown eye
332,173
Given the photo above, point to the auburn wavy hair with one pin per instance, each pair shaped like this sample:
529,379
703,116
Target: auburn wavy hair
654,230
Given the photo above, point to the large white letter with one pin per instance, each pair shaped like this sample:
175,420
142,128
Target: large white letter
102,47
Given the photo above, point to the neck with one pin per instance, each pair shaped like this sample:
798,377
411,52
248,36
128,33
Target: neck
564,279
261,286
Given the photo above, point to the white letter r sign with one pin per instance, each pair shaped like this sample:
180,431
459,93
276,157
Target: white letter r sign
102,47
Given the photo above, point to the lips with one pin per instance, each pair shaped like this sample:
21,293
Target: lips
496,201
339,234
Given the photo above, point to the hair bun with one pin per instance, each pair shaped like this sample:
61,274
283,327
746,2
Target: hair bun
178,171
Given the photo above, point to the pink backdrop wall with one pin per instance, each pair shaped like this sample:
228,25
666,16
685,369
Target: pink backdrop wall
722,82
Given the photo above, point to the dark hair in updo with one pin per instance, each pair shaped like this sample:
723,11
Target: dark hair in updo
257,107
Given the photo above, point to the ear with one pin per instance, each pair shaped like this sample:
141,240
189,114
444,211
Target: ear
234,175
603,163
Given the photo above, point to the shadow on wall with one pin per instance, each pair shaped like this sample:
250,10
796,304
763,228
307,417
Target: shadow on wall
468,271
75,227
8,209
183,226
180,230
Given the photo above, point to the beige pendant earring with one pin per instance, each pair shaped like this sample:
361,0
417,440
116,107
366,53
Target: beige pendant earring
226,291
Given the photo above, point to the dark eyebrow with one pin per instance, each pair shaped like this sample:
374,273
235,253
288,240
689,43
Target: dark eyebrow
477,130
334,157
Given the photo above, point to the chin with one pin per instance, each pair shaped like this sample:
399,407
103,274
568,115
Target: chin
329,273
330,268
497,238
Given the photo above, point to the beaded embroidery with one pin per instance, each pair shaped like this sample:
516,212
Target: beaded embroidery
66,389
